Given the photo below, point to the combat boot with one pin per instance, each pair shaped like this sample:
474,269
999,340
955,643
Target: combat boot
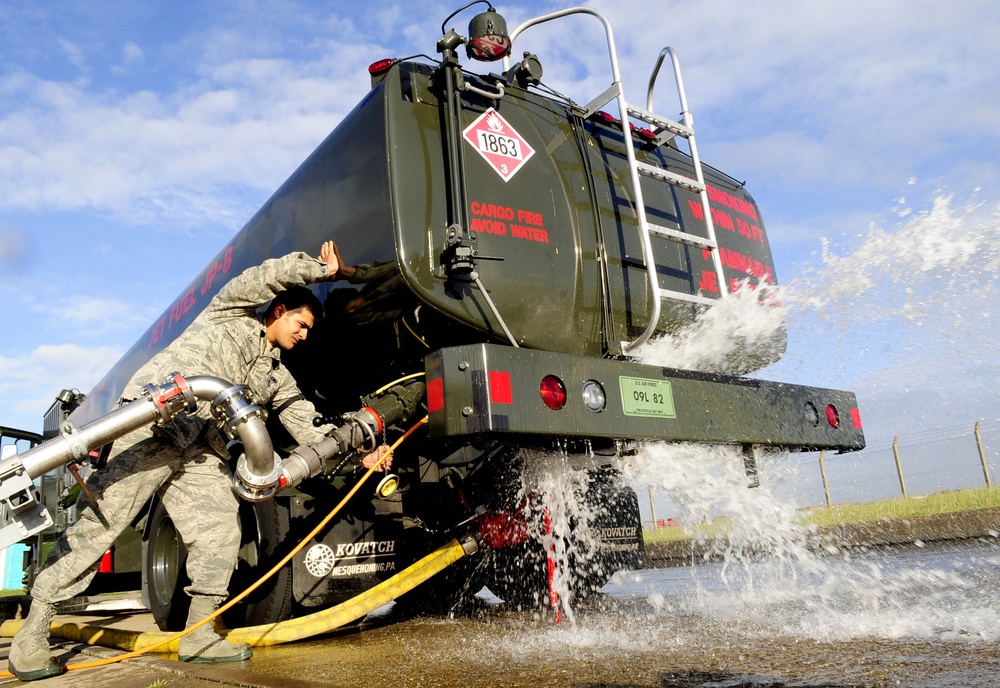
30,658
204,645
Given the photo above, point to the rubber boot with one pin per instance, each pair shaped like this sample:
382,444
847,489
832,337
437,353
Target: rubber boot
204,645
30,658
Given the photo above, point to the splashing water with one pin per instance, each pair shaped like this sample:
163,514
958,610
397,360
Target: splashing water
943,256
936,271
560,517
775,577
771,577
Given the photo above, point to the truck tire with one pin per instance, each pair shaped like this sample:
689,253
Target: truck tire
518,575
164,574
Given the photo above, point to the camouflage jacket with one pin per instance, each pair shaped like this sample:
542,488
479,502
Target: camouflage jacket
228,340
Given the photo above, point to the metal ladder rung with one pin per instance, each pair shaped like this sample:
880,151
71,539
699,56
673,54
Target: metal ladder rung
675,128
667,295
663,175
682,237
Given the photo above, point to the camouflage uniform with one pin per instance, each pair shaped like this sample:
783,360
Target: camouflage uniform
183,459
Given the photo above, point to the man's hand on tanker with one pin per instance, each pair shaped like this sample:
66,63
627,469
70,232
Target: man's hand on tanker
329,254
344,271
370,459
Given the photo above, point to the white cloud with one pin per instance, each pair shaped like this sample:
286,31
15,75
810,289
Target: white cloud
804,94
76,310
131,52
184,154
73,54
29,383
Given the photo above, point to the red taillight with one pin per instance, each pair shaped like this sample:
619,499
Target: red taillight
553,392
647,134
107,563
832,417
381,67
604,116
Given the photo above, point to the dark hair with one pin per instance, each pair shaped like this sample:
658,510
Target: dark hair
297,297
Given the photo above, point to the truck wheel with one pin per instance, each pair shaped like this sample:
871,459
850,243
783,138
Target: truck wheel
164,574
264,524
519,575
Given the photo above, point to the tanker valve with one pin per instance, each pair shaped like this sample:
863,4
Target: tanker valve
359,432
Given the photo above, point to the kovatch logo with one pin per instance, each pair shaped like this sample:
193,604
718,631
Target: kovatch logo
498,143
321,560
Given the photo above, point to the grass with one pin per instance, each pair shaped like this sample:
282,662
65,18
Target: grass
910,507
937,503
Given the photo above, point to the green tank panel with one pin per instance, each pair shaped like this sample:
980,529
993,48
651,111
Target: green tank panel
540,221
572,278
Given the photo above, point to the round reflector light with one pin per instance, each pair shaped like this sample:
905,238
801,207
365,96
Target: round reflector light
832,417
553,392
593,396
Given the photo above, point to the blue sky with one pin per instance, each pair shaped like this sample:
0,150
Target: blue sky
137,138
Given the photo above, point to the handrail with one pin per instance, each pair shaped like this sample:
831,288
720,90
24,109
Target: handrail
640,207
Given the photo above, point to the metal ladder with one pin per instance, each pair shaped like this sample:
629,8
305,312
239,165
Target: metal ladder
665,129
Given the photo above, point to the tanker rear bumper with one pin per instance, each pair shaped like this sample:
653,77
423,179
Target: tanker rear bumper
491,389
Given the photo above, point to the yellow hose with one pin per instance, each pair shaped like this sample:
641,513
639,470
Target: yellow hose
396,382
137,643
269,634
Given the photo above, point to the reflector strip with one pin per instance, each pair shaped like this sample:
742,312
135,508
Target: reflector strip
435,395
106,565
856,418
500,391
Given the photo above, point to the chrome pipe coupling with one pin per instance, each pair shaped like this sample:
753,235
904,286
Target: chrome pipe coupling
233,406
171,397
254,487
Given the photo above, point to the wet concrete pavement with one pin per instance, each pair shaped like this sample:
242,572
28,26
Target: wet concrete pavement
613,643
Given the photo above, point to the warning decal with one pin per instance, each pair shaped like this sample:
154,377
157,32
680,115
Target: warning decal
498,143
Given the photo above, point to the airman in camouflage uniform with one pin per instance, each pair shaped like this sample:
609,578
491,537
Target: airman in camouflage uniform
183,459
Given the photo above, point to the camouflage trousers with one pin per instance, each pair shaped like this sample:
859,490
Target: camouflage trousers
195,486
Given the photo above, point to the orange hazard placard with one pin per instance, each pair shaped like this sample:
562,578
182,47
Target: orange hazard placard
499,144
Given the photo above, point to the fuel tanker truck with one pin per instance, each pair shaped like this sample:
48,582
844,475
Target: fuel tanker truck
510,250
